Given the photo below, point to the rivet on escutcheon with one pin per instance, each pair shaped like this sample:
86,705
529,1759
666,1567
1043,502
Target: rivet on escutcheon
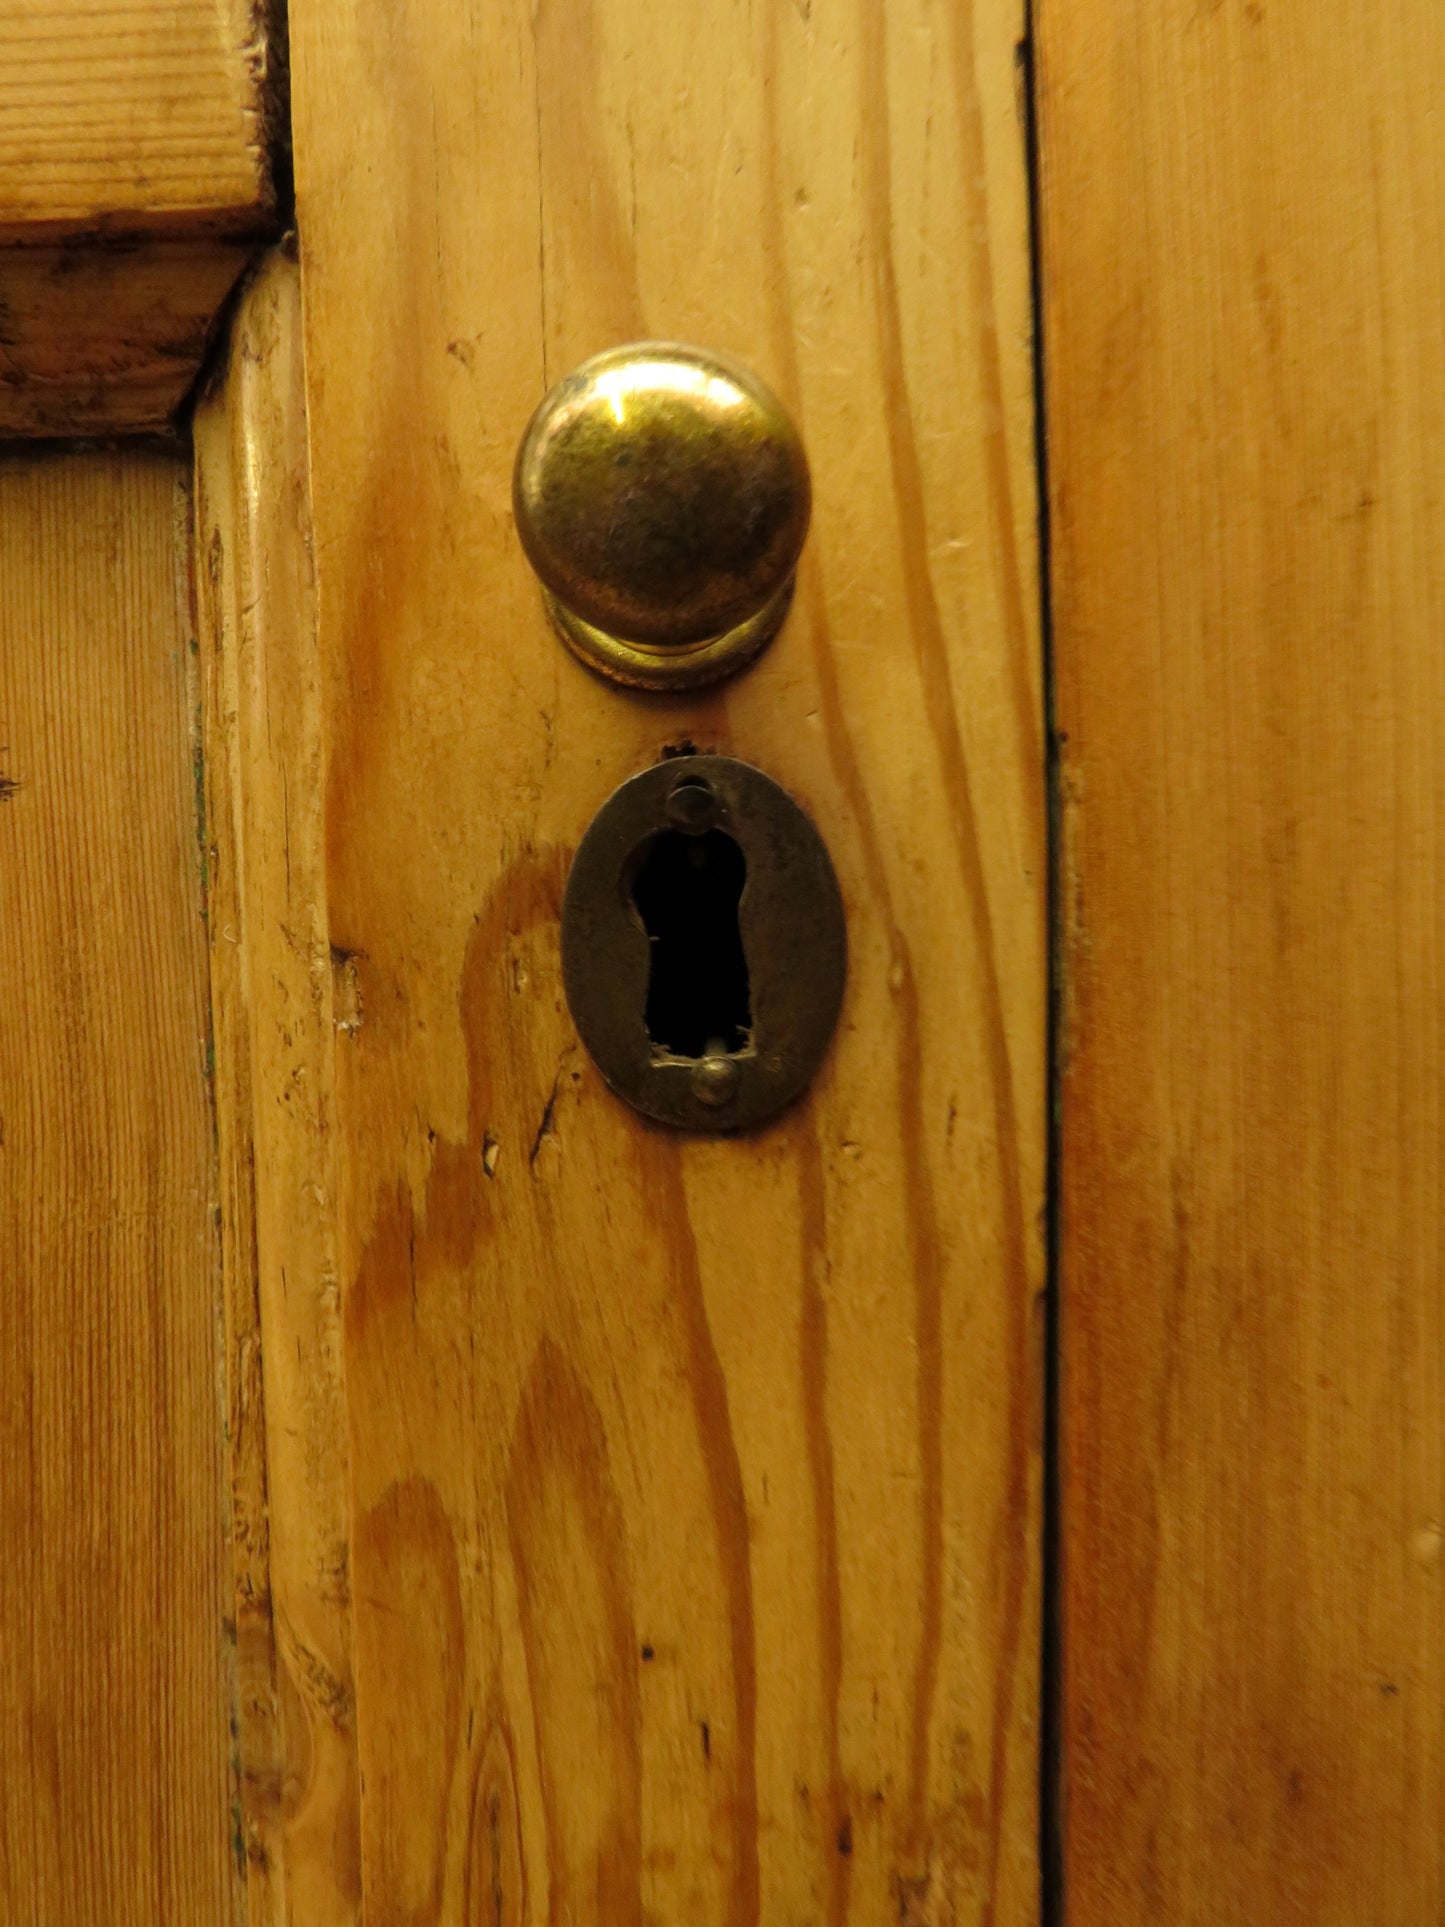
662,496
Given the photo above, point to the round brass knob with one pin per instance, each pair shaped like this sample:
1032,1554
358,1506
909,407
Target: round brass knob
662,496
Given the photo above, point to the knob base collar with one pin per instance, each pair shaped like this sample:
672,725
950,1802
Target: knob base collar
669,668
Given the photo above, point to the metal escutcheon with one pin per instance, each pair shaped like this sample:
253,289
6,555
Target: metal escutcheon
704,949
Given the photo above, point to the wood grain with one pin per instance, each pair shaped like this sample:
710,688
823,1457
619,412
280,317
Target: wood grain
135,180
137,115
273,1013
694,1484
114,1753
1243,279
100,340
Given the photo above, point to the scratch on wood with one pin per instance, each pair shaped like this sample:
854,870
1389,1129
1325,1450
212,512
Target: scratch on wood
544,1129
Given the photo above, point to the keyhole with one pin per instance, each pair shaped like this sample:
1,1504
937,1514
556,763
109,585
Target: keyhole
687,890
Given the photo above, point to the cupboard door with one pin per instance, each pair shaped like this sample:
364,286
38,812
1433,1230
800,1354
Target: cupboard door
693,1482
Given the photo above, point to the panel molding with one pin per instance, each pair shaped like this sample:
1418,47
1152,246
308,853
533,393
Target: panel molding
275,1017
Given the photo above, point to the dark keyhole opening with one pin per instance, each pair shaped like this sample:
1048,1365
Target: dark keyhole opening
687,890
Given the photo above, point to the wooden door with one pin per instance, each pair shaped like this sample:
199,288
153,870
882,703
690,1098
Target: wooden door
619,1523
431,1493
685,1489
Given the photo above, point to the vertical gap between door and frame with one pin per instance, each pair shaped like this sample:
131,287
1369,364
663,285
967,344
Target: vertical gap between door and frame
1051,1858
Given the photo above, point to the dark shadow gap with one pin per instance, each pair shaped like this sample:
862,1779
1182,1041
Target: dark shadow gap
1051,1780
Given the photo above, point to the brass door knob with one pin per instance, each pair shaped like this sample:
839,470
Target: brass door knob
662,496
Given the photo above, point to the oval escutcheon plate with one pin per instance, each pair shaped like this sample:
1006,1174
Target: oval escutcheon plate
704,950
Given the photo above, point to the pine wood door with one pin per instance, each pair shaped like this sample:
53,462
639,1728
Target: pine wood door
1007,1488
654,1518
574,1519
